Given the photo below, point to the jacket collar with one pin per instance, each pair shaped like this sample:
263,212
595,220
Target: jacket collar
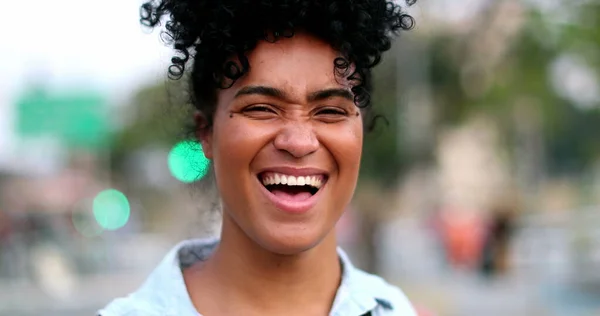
359,292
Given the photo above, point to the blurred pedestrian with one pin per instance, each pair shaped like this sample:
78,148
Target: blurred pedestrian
495,256
281,90
463,234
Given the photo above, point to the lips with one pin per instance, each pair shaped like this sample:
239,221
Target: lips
294,191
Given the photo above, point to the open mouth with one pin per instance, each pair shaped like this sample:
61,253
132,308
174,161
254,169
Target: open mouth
292,187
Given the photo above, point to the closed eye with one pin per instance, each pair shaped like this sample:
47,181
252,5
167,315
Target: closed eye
331,114
259,108
331,111
260,112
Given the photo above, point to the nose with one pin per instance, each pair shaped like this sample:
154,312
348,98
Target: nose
298,139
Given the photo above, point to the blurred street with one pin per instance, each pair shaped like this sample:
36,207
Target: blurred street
91,294
481,196
527,290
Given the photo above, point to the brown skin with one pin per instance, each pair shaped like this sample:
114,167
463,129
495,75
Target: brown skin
270,262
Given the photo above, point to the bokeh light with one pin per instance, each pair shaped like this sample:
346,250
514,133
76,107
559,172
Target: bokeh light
187,162
111,209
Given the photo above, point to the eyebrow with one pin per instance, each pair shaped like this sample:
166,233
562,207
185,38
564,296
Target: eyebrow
280,94
330,93
261,90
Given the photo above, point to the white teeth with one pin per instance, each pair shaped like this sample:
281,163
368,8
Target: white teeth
276,178
292,180
315,182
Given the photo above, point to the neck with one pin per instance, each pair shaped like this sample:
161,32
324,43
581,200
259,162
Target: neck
242,269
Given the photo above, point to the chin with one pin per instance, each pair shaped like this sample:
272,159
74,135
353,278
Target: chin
286,243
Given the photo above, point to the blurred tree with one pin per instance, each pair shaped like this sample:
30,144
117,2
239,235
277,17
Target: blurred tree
515,53
157,116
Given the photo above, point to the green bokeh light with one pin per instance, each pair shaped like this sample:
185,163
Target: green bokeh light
111,209
187,162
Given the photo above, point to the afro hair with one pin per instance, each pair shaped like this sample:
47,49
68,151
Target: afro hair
214,37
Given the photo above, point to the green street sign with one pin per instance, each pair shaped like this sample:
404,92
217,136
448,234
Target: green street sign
79,120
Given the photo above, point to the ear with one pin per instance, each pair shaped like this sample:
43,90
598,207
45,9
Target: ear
204,134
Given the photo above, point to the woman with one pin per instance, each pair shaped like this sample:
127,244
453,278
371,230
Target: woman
281,90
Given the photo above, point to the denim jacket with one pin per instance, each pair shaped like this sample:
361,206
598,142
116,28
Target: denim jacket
164,292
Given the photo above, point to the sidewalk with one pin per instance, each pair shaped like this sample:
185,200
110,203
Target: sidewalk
90,294
464,295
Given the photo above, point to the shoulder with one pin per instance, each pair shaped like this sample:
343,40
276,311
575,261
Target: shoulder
372,290
131,306
387,295
155,298
164,291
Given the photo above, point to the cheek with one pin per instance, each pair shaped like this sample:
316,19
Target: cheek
231,146
237,142
235,145
345,144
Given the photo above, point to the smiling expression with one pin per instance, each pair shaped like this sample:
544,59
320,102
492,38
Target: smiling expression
286,145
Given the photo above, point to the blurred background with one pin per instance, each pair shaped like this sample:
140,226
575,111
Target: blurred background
480,196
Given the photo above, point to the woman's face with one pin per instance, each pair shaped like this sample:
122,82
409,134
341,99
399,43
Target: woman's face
286,146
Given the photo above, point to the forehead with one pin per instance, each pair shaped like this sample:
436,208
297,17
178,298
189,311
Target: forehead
297,65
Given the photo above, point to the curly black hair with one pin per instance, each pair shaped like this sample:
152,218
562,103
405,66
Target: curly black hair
217,35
